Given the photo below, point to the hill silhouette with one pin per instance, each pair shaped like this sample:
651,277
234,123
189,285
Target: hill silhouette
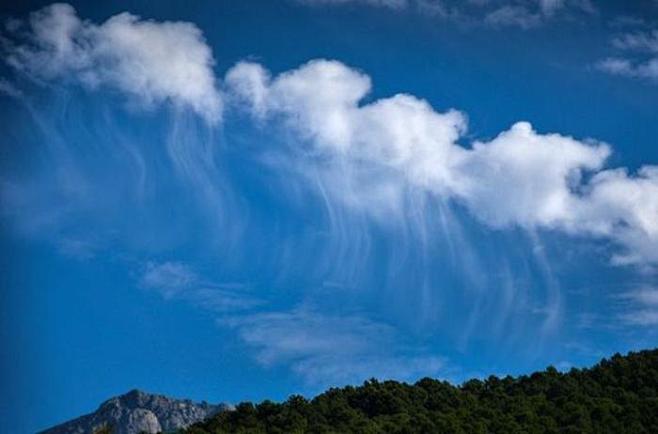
618,395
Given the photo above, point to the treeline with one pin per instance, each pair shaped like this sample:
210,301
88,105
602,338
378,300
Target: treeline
618,395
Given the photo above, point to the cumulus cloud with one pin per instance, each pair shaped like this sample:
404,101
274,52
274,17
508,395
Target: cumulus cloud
320,102
625,207
525,178
376,152
151,61
329,349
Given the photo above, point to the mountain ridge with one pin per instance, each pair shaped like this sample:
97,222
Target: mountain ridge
138,412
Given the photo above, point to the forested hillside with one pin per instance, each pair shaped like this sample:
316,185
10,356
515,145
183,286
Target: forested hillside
618,395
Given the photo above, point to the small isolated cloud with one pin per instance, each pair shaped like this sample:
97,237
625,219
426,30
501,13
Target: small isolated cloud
153,62
628,68
341,370
616,66
639,58
549,7
641,307
176,280
394,4
524,14
168,278
529,14
8,88
370,156
514,16
637,41
331,349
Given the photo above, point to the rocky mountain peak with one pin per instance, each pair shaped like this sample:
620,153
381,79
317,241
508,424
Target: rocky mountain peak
137,412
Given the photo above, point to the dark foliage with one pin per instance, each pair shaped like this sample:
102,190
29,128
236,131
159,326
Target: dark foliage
619,395
104,430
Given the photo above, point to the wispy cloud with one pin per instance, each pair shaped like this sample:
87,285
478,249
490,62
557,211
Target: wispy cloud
9,89
530,14
321,348
638,41
394,4
327,349
523,14
394,163
169,278
379,152
150,64
178,281
641,306
640,54
628,68
76,248
514,16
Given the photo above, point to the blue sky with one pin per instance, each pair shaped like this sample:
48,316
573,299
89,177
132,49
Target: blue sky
246,200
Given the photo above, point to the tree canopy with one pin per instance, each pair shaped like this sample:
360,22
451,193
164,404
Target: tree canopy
618,395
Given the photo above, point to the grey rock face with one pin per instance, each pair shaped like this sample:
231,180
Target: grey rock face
138,412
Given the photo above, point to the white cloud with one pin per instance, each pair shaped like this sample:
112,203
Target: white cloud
525,178
517,16
394,4
638,41
616,66
151,61
337,370
640,59
250,83
524,14
628,68
323,349
9,89
330,349
371,154
176,280
625,208
320,100
169,278
643,309
298,334
549,7
646,296
529,14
